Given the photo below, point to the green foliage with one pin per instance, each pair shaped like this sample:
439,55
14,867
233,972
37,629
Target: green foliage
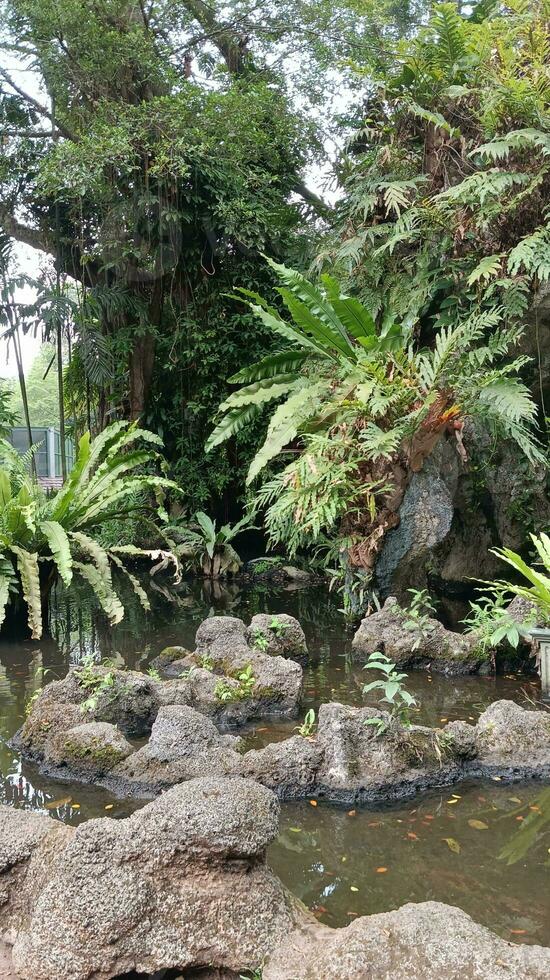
42,391
492,624
537,589
418,614
8,417
202,545
240,691
41,537
308,724
260,640
394,692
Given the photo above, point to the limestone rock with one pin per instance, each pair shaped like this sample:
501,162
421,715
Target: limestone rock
430,646
416,942
289,767
184,744
279,636
180,884
87,751
510,738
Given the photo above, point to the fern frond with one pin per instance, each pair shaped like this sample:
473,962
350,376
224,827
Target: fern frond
27,565
60,548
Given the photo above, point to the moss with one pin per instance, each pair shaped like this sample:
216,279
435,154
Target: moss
170,654
96,751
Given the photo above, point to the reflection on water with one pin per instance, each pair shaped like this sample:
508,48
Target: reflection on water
445,847
341,864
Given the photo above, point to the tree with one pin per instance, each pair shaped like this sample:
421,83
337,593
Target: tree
42,394
180,132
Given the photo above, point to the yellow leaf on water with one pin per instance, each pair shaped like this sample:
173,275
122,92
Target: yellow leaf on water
53,804
478,825
75,806
497,779
296,830
381,871
313,802
109,806
452,801
452,844
514,799
353,888
455,796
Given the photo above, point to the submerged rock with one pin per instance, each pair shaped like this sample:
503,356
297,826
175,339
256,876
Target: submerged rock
427,645
180,884
416,942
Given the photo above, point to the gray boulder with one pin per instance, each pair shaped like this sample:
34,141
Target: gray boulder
429,646
513,740
279,636
87,751
181,884
289,767
416,942
184,744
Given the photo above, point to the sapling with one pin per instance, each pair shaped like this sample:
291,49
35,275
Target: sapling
394,692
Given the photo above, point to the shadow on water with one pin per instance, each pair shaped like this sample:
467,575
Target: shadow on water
484,848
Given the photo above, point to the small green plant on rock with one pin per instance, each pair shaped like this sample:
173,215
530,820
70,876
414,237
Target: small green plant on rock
419,614
395,694
277,627
492,623
96,683
260,640
308,724
245,685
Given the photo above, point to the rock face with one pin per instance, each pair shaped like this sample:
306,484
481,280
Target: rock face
279,636
425,519
89,751
183,744
430,646
509,738
416,942
181,884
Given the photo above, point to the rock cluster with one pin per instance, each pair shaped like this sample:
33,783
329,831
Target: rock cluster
182,884
348,760
427,644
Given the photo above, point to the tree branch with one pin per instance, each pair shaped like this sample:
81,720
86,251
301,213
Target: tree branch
35,104
230,46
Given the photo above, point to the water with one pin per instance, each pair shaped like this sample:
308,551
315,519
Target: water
330,858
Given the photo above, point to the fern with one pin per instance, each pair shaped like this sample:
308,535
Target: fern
285,424
27,565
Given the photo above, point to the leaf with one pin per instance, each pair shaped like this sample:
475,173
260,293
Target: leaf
285,423
104,591
60,548
486,268
478,825
452,844
27,564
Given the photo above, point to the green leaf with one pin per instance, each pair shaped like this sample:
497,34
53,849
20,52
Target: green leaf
60,548
285,424
27,564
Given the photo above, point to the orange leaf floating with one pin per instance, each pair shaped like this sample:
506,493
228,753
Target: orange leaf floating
412,836
519,818
313,802
351,813
518,932
381,871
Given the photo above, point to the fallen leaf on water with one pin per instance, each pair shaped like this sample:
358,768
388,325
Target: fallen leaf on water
261,729
352,913
374,823
75,806
471,718
351,813
514,799
313,802
519,818
497,779
537,809
109,806
452,844
344,858
381,871
443,719
352,888
478,825
296,830
452,801
518,932
412,836
455,796
53,805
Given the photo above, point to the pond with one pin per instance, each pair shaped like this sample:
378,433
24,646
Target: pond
485,847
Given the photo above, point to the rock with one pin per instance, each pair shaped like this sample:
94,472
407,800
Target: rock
289,768
167,656
57,708
130,701
87,751
461,739
512,740
430,645
180,884
361,764
183,745
416,942
425,518
279,636
296,574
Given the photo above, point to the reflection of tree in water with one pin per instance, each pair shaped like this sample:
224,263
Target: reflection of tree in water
533,828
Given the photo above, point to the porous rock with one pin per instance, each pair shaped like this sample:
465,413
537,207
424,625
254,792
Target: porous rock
430,645
181,884
283,635
511,739
184,744
415,942
289,767
86,751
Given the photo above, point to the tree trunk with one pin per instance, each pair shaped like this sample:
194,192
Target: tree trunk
142,360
